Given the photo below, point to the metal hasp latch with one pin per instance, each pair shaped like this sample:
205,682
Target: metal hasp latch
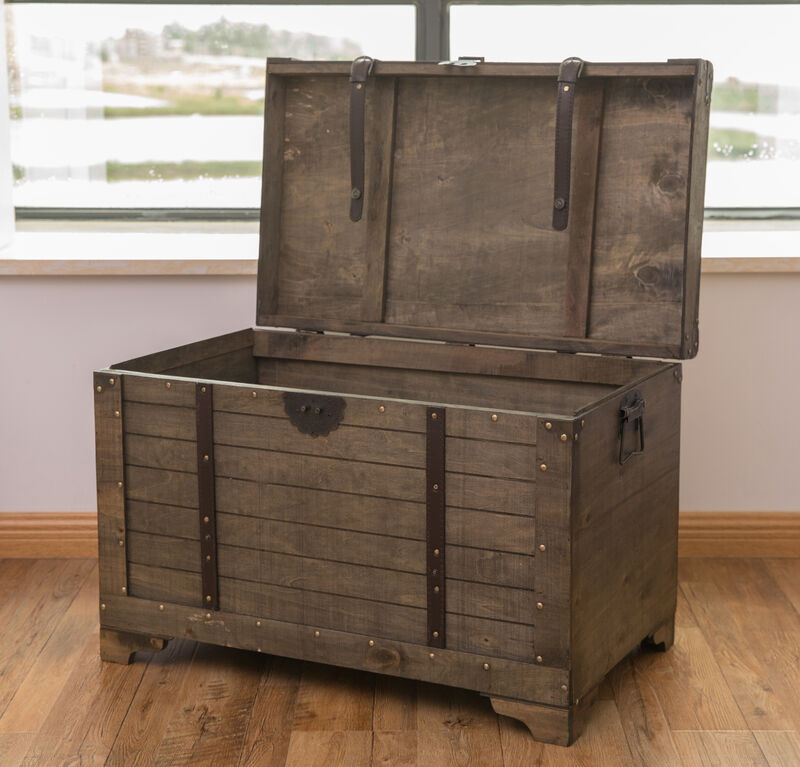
631,414
314,414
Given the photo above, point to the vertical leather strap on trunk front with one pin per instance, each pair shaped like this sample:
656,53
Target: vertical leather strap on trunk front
206,495
435,527
568,74
359,72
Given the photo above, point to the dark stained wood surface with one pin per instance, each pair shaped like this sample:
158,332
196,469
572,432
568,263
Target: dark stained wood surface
157,710
458,242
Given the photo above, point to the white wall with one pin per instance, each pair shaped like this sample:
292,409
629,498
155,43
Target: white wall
741,428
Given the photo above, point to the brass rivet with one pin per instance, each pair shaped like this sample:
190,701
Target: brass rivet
539,659
542,547
258,649
494,417
316,634
435,487
203,389
121,542
576,436
168,384
563,437
208,597
358,86
303,408
124,589
254,394
103,606
317,411
485,666
371,643
563,688
566,88
434,416
205,519
119,484
543,467
436,552
381,409
258,624
208,616
205,458
548,426
436,589
117,414
110,381
539,606
435,634
431,655
99,389
208,557
161,607
583,422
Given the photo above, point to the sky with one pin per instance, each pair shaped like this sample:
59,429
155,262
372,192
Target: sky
753,42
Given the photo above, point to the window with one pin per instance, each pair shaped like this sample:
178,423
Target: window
754,143
162,105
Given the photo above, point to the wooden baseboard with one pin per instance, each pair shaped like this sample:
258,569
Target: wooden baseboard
40,534
700,534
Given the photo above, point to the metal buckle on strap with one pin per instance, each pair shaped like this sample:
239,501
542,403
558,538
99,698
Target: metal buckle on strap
631,411
355,70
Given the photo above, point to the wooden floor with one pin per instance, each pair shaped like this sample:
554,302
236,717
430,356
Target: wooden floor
727,694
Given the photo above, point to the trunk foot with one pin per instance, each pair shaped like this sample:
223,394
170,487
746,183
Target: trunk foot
662,638
119,646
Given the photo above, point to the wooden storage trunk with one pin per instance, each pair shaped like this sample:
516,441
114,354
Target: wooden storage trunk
471,477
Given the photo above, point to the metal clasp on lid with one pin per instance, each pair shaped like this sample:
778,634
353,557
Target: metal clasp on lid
631,412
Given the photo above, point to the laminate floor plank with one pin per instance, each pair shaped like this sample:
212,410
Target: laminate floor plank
266,743
13,747
719,749
40,689
781,749
334,699
330,748
395,705
394,749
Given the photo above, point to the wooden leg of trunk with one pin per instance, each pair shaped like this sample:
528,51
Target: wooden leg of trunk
662,638
548,724
119,646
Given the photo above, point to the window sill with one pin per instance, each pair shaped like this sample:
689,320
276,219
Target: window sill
232,250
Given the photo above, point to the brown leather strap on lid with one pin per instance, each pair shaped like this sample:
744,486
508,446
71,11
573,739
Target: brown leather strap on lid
568,74
359,72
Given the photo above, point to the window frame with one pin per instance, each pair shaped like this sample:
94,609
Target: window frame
432,43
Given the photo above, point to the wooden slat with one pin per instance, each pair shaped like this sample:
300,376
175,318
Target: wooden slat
158,486
110,481
588,127
381,107
160,421
248,534
238,365
490,459
159,391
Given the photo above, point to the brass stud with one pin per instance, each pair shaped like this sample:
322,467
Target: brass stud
303,408
436,589
576,436
381,409
168,384
563,688
124,589
208,537
485,666
208,597
539,659
371,643
203,389
435,487
435,634
434,416
436,552
548,426
563,437
161,607
543,467
258,649
111,381
99,389
316,634
542,547
121,542
258,624
117,414
208,557
102,605
205,458
358,86
539,606
208,616
582,423
205,519
431,655
317,411
566,88
494,417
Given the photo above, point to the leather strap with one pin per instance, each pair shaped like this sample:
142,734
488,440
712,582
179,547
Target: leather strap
359,72
568,74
